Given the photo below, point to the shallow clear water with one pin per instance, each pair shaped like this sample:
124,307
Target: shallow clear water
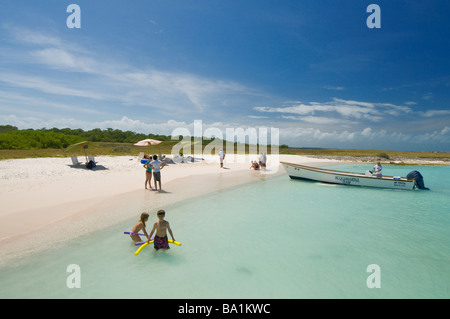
276,238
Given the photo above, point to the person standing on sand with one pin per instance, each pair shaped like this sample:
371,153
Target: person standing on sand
148,175
222,157
157,167
262,160
160,229
140,225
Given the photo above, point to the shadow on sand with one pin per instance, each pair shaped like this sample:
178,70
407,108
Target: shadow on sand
96,168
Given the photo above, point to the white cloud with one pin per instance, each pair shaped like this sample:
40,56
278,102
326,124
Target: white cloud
74,71
13,102
46,86
366,138
354,103
438,136
345,108
367,132
395,110
445,130
59,58
258,117
336,88
316,119
30,36
338,111
124,124
160,86
431,113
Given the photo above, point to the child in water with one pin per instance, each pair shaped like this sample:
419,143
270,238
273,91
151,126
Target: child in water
140,225
160,227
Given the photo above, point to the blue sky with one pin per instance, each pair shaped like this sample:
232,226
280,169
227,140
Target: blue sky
312,69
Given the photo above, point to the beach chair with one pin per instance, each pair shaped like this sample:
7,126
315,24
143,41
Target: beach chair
75,160
189,159
177,158
91,158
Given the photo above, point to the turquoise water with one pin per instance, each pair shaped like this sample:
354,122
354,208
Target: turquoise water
276,238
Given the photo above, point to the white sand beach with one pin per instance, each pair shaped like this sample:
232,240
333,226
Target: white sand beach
47,200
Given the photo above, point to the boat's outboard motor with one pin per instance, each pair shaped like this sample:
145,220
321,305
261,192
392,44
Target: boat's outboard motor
415,175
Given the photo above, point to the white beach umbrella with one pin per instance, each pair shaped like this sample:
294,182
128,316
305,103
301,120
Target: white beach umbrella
148,142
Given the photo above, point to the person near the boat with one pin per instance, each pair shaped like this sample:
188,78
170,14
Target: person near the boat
377,169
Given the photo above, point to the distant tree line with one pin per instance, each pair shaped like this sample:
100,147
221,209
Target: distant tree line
13,138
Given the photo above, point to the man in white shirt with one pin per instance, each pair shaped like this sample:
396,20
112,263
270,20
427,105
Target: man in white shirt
377,170
156,167
262,160
222,157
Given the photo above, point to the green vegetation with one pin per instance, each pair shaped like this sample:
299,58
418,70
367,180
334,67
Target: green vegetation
32,140
7,128
13,139
54,142
383,155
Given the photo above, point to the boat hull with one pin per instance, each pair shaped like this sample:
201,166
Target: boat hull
302,172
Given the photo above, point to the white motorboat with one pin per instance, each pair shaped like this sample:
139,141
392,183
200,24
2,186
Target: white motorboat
297,171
